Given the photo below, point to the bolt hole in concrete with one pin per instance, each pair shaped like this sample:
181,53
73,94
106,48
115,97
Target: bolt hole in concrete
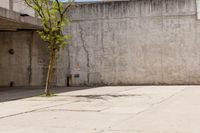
11,51
12,83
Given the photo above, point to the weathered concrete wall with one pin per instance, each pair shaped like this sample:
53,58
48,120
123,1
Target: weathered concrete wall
28,65
20,6
114,43
5,4
135,42
17,6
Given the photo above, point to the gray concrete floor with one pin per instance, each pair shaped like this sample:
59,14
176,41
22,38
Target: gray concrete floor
119,109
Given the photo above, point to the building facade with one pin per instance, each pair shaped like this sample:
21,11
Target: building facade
132,42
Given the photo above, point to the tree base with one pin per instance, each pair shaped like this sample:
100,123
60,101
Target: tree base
48,95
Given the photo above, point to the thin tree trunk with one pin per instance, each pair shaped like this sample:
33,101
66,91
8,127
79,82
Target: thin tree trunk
50,71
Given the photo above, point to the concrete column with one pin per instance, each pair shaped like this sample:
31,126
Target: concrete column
198,8
11,4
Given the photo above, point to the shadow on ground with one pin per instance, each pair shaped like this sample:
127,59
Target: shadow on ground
14,93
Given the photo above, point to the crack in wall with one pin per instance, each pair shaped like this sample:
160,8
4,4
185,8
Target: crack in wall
87,53
30,59
69,61
102,36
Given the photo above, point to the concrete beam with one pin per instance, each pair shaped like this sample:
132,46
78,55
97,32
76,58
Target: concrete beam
9,18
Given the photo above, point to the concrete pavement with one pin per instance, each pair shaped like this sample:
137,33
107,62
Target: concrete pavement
119,109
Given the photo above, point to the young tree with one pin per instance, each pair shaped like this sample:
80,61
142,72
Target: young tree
54,15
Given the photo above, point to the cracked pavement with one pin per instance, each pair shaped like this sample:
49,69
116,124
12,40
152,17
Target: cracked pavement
117,109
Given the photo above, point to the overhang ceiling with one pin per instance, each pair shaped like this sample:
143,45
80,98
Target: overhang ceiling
10,20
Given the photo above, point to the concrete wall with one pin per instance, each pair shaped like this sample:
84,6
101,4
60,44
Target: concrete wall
18,6
114,43
5,4
28,65
135,42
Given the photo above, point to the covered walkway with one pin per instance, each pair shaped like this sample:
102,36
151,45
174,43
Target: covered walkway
10,20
